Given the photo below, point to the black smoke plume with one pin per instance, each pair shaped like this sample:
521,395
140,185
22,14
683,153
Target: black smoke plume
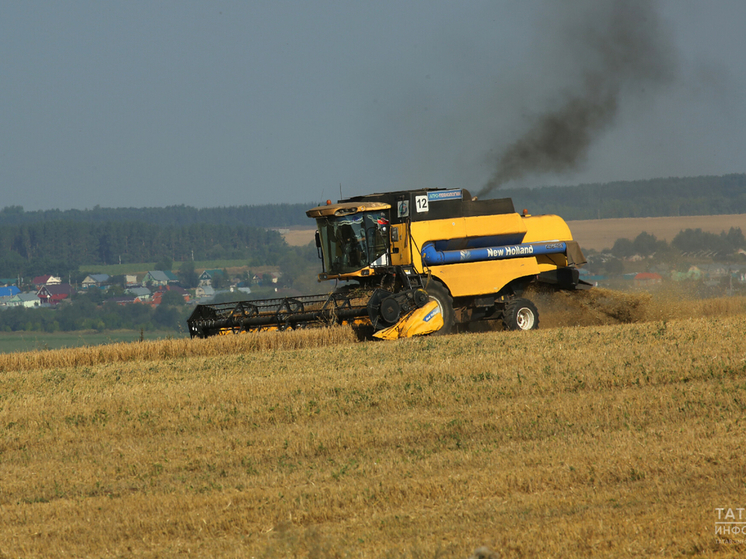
619,50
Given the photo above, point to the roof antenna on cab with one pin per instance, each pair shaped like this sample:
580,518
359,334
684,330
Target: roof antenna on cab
340,190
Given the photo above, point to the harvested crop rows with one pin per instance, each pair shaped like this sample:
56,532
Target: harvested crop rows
606,439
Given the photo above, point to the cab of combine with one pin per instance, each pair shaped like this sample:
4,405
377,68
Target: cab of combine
353,238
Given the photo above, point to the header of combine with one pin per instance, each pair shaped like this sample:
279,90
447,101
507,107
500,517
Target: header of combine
418,262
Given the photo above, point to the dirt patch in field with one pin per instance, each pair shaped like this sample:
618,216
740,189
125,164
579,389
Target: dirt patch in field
599,234
299,237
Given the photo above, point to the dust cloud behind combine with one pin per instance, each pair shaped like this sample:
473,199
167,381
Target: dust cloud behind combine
604,307
614,52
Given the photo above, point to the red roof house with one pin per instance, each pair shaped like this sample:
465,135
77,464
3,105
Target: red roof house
53,294
647,278
39,281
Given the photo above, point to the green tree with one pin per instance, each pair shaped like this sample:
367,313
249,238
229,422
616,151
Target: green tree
93,294
645,244
114,291
172,298
692,240
164,263
735,238
219,280
188,276
623,248
166,316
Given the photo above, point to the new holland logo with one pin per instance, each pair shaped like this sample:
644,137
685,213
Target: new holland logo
431,314
518,250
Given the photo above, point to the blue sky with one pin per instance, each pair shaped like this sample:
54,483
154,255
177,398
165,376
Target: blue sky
227,103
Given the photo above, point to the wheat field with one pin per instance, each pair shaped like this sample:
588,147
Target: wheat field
618,436
599,234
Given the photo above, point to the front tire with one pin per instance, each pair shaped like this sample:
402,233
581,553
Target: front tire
439,293
520,314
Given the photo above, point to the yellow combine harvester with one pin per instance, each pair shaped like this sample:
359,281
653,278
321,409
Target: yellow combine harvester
417,262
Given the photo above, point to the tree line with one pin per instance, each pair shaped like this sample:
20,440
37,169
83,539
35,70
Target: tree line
60,247
706,195
270,215
672,196
687,241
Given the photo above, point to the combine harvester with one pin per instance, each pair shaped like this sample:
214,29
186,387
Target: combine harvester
417,262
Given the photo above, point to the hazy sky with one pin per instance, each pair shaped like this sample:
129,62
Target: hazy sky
227,103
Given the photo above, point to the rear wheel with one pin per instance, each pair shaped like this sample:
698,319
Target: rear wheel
438,292
520,314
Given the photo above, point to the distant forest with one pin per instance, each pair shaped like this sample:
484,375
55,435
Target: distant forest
707,195
648,198
271,215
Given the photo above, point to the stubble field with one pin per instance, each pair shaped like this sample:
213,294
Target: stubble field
621,436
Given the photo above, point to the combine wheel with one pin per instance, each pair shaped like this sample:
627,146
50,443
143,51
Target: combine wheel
439,293
520,314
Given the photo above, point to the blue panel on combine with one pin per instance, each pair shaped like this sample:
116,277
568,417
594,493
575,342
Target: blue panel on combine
444,195
433,257
479,242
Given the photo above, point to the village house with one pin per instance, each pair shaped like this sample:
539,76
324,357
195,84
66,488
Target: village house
9,291
28,300
646,279
204,292
53,294
39,281
156,278
143,293
693,273
206,277
95,280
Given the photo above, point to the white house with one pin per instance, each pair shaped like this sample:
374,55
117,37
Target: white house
95,280
204,292
142,293
155,278
27,300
